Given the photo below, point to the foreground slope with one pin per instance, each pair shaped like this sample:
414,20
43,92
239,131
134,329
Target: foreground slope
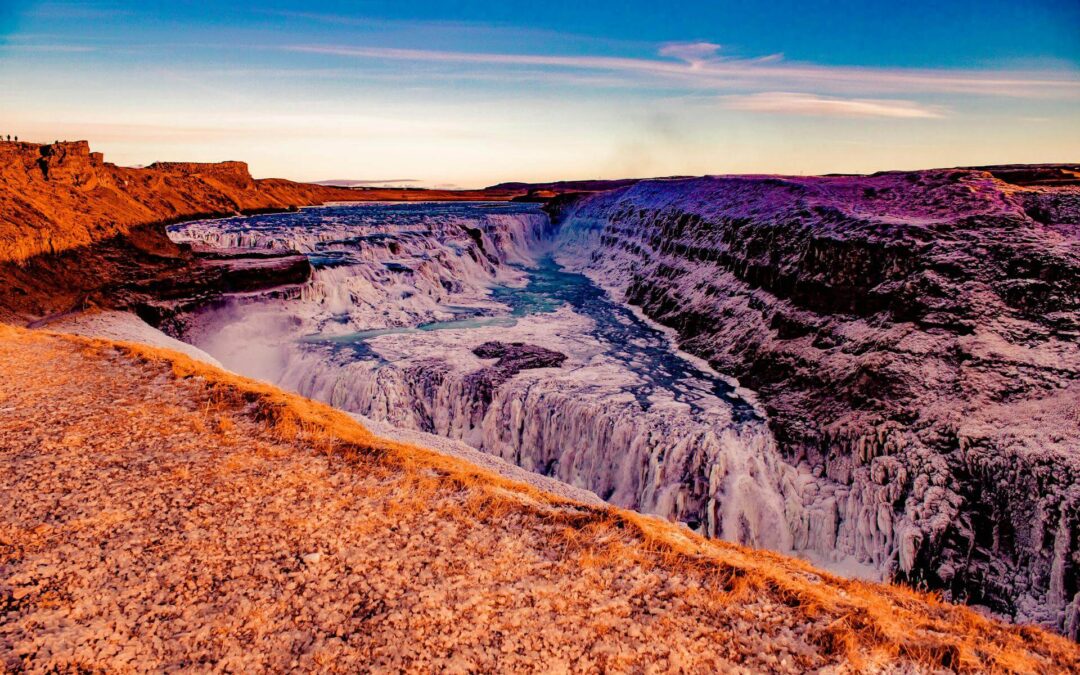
161,513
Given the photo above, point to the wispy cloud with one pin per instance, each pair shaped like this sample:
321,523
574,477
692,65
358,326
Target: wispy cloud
788,103
485,58
75,10
58,48
700,65
694,53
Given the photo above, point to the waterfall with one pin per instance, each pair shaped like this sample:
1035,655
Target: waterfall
593,422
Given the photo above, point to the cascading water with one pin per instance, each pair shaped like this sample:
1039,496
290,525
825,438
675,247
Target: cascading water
391,325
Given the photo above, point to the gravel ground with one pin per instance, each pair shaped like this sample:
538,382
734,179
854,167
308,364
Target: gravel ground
148,526
114,325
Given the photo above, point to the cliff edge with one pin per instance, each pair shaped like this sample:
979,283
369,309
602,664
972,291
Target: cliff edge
77,231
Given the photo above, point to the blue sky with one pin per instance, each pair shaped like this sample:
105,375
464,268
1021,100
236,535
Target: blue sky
471,93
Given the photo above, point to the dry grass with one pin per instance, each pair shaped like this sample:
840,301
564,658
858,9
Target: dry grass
862,626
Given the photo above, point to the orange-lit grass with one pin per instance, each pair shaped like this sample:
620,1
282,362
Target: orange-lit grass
870,624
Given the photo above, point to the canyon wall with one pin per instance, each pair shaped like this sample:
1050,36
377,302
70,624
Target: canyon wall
557,390
61,196
913,338
76,231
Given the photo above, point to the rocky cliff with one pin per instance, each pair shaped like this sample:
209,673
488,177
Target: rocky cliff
62,196
913,337
76,230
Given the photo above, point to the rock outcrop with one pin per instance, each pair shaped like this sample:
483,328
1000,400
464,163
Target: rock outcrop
77,231
913,337
512,358
57,197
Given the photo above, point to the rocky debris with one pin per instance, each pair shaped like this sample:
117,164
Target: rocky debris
197,533
513,357
914,339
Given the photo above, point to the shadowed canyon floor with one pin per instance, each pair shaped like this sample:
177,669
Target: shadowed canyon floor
165,514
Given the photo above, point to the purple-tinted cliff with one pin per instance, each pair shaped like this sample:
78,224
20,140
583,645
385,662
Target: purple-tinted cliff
914,338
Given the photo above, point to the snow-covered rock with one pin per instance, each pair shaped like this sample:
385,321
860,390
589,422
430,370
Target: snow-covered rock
914,339
578,403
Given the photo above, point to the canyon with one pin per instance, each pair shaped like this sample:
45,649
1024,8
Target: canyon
876,373
907,344
394,323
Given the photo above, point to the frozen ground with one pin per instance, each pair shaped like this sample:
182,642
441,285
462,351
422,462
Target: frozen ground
126,327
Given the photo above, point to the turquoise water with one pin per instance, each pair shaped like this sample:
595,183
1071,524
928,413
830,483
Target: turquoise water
637,345
456,324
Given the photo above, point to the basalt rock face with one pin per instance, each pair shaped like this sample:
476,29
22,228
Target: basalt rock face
75,229
914,339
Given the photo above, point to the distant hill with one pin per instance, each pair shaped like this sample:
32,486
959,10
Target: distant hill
562,186
348,183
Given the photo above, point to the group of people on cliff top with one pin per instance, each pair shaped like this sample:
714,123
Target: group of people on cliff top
9,138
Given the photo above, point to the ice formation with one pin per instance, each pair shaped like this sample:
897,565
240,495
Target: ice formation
402,295
913,339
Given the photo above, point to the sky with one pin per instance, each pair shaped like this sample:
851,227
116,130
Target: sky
466,93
